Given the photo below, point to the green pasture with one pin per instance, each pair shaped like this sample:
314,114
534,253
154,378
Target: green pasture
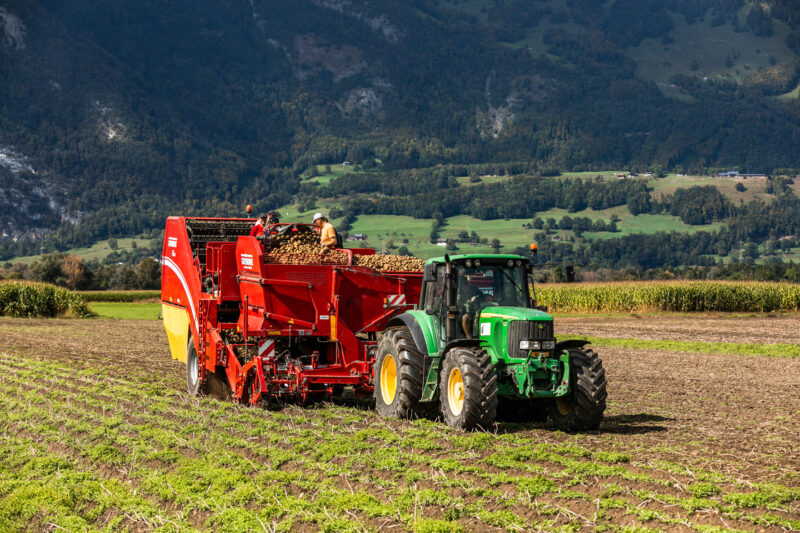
709,47
756,188
628,224
126,310
98,251
323,178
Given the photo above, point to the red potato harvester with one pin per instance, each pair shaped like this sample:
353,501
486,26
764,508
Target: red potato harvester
234,310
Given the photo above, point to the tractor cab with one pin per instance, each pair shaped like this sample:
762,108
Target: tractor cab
477,285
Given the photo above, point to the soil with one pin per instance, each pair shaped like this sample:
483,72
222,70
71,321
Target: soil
702,327
679,417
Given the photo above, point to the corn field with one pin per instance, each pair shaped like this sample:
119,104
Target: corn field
678,296
28,299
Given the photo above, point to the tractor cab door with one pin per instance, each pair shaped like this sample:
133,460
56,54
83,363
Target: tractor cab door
434,296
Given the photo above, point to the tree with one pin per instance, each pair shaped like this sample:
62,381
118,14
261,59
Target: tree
112,243
496,245
148,274
740,187
639,203
76,275
48,268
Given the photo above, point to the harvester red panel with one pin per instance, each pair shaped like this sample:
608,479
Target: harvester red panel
275,327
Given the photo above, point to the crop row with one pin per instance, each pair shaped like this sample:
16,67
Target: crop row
30,299
684,296
220,466
119,296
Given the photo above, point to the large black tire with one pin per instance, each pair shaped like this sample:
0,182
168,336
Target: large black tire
399,368
523,411
195,385
468,389
583,408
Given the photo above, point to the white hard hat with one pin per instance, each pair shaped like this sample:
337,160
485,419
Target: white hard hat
317,216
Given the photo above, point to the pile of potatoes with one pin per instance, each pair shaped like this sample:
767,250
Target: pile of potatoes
390,263
303,247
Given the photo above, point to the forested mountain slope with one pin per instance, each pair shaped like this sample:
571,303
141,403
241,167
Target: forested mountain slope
114,114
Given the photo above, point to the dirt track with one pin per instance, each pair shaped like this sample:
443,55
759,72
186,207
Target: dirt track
681,419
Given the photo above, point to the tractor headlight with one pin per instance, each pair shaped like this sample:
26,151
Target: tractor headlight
529,345
537,345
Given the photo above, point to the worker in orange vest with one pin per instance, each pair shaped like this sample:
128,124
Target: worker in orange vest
327,233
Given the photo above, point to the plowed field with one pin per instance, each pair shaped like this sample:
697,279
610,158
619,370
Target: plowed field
98,433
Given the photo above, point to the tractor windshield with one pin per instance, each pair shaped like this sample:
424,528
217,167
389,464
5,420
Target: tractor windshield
493,285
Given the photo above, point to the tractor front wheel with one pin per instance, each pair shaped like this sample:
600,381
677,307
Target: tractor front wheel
399,368
468,389
195,385
583,408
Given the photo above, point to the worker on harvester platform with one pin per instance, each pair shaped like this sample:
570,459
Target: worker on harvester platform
327,233
259,226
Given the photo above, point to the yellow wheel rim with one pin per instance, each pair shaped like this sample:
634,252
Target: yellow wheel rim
455,391
388,379
564,406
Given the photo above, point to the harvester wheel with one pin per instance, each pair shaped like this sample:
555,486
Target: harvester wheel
196,386
468,389
583,408
399,368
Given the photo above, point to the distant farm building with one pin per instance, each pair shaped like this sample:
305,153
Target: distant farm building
736,174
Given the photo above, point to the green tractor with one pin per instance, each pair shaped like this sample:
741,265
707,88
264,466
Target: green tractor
478,344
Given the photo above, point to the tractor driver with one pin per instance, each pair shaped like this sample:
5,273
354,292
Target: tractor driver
327,233
470,301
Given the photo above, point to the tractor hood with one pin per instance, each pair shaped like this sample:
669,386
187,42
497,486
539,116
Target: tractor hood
514,313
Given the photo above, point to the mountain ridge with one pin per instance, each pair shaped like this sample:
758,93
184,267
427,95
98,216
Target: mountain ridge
133,112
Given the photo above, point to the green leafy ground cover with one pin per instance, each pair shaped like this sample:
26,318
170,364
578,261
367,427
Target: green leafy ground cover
110,441
124,310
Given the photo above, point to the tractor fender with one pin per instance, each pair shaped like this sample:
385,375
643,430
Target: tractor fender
574,343
413,326
471,343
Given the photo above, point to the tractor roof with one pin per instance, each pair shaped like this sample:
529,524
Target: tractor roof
476,256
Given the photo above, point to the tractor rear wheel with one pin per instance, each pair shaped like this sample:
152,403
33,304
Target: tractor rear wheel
195,385
468,389
583,408
399,368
